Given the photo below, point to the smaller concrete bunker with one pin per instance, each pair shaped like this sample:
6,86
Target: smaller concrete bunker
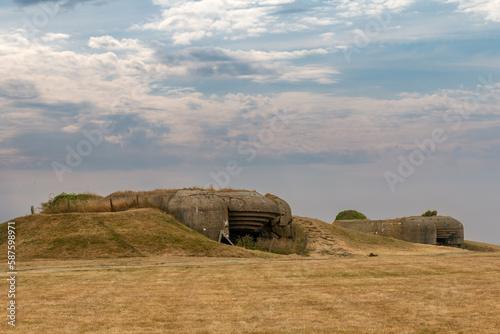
436,230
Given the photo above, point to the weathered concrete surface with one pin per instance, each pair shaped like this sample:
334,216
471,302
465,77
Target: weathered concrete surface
235,212
202,211
441,230
281,226
448,230
419,229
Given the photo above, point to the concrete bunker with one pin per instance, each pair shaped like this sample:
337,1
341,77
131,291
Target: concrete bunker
436,230
235,213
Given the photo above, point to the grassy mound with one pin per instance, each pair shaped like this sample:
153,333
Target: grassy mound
132,233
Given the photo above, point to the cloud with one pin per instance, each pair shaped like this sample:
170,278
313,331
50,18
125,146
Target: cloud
62,112
65,3
65,92
186,127
18,89
58,90
69,76
32,2
50,37
318,21
489,9
69,91
349,8
166,129
110,43
258,66
189,21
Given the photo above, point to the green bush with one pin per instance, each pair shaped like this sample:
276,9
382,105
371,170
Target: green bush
64,198
429,213
350,214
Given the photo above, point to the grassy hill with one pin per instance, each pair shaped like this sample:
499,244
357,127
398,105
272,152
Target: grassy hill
132,233
148,232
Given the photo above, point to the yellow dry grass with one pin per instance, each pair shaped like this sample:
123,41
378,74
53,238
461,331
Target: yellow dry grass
385,294
159,192
141,271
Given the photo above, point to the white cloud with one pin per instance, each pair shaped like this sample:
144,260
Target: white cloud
324,123
352,8
318,21
319,123
188,21
291,73
255,55
489,9
110,43
50,37
57,77
71,128
32,70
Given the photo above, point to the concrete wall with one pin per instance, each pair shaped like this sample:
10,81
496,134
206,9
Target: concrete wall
202,211
418,229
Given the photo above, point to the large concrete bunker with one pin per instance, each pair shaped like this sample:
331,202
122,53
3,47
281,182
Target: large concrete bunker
437,230
235,213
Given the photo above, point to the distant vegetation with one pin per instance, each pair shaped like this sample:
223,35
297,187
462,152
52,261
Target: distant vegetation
63,198
350,214
429,213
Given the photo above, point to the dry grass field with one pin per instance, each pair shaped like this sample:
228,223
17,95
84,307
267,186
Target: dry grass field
140,271
291,294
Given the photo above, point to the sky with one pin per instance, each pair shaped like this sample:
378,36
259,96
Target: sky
388,107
